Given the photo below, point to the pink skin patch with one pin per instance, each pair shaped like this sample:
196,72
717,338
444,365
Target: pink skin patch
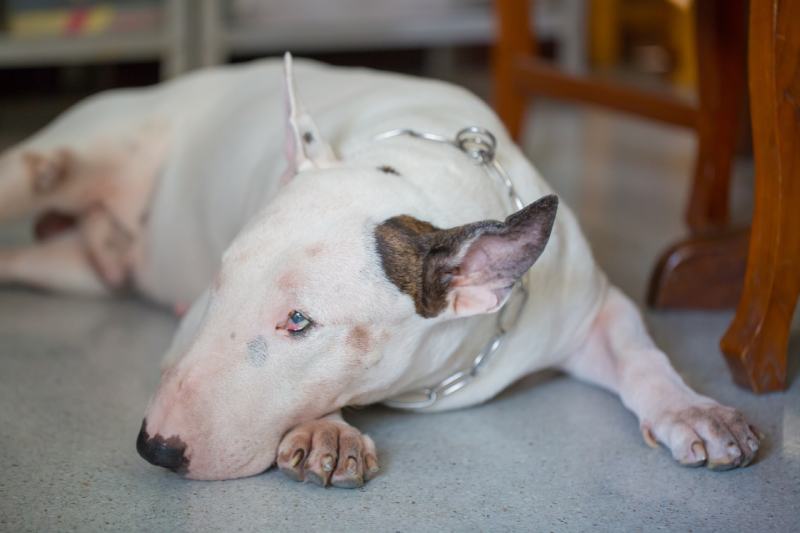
359,339
288,281
180,309
315,249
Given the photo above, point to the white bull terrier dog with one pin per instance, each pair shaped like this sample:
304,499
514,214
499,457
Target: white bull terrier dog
366,268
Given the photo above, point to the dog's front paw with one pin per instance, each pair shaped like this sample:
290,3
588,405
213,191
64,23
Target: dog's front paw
707,434
328,452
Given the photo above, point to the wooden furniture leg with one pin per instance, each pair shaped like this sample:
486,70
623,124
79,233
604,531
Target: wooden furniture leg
606,41
701,272
756,342
721,44
518,72
684,40
515,39
706,270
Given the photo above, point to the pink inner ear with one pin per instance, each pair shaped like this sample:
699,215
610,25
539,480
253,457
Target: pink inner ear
474,262
485,275
484,262
473,300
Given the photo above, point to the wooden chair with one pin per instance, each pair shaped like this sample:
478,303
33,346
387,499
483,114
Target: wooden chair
519,74
756,341
706,270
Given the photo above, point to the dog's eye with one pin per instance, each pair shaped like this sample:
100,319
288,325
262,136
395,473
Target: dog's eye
297,323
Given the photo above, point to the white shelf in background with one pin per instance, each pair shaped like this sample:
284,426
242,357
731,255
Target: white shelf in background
464,28
167,44
91,49
461,23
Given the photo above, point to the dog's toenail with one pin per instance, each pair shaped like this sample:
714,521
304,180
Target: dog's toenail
327,463
372,464
753,444
297,457
649,438
699,451
352,465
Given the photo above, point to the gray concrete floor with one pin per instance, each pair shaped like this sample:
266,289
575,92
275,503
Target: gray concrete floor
550,454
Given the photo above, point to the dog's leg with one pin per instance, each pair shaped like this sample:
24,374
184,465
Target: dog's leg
32,181
59,263
35,181
109,246
328,451
117,171
620,356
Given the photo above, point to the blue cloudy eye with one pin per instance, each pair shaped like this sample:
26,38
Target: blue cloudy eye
298,322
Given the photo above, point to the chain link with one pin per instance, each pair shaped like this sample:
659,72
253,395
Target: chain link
480,145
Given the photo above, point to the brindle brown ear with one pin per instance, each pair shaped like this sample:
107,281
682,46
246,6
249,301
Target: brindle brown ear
468,269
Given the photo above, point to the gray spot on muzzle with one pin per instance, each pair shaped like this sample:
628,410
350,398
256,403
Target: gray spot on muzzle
257,351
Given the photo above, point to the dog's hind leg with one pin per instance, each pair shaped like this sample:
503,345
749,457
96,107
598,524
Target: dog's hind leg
59,263
101,189
31,180
620,356
117,170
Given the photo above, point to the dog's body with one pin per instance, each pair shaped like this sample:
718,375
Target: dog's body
164,181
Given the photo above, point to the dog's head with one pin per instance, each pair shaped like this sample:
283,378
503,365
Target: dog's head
321,302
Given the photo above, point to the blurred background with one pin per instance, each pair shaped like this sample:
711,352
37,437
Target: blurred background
53,52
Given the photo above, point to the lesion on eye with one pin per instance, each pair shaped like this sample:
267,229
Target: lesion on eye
297,323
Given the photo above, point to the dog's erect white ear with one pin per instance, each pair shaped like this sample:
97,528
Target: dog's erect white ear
466,270
305,148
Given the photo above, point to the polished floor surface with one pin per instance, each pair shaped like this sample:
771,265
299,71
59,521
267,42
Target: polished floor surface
550,454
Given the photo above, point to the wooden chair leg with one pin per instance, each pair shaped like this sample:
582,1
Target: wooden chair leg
755,344
605,35
701,272
706,270
515,40
721,45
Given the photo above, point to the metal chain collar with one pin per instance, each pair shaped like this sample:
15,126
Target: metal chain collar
479,144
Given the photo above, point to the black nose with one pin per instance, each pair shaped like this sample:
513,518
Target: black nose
162,452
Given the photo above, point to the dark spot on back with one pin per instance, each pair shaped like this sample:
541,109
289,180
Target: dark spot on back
386,169
308,138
